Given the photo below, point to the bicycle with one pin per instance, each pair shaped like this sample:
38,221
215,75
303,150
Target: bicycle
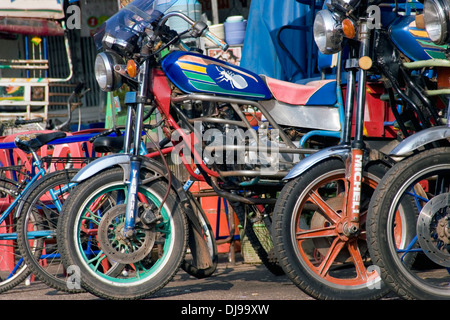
38,217
23,237
13,270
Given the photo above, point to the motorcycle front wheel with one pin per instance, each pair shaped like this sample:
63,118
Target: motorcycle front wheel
100,258
417,188
308,238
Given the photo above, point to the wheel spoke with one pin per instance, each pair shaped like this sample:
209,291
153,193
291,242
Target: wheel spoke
330,257
328,211
317,233
361,270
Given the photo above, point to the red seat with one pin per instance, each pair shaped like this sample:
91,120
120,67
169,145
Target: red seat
301,94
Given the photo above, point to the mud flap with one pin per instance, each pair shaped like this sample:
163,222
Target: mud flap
200,252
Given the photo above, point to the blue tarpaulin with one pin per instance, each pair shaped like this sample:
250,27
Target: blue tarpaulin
269,51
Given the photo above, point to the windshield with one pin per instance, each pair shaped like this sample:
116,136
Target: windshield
122,30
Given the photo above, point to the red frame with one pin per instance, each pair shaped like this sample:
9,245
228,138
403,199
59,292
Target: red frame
162,93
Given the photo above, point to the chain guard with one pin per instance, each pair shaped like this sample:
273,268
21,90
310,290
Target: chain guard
433,229
116,246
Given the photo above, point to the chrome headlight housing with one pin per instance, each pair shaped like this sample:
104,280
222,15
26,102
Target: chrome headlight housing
106,77
328,33
436,16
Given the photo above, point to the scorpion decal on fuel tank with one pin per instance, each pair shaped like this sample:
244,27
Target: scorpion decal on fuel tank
194,73
235,80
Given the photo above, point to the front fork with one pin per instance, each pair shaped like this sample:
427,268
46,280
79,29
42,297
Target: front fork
355,164
132,204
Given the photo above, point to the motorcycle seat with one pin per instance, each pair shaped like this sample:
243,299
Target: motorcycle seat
318,92
108,144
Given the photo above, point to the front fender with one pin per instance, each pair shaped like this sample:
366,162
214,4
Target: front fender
420,139
158,169
305,164
103,163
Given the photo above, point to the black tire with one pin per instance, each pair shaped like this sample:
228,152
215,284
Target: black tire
303,256
264,248
40,215
190,263
405,272
95,210
13,271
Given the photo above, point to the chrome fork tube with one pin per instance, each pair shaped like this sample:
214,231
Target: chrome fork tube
351,227
361,93
142,95
128,130
135,161
351,76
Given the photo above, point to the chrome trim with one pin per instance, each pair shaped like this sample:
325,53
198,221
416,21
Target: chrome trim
336,151
328,34
102,164
420,139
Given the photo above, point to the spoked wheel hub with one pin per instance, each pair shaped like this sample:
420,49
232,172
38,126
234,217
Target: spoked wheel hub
116,245
341,227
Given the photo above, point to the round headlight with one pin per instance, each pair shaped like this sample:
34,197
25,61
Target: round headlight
436,16
327,32
107,78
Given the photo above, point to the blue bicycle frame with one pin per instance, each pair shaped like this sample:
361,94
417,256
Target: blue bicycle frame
19,199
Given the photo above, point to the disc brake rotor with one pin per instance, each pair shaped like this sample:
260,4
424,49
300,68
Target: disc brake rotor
433,229
116,245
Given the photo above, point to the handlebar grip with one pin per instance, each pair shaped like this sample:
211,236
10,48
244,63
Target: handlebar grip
79,87
19,122
211,36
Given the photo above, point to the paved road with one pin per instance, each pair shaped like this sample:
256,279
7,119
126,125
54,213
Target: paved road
238,281
235,291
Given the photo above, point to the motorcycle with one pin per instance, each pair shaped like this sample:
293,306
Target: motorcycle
320,218
416,265
124,230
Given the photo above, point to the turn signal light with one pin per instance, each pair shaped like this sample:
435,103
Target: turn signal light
420,22
348,28
132,68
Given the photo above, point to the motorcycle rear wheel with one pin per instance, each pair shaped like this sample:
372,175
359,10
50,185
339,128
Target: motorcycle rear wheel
312,251
261,242
90,238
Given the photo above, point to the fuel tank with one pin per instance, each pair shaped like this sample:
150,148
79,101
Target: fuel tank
412,41
196,73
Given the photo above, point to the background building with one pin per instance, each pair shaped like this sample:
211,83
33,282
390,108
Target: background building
47,53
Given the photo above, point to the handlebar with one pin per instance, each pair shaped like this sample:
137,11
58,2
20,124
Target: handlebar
80,86
104,134
211,36
198,29
79,92
20,122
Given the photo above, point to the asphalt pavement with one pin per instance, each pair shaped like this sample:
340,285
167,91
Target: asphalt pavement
231,281
235,291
